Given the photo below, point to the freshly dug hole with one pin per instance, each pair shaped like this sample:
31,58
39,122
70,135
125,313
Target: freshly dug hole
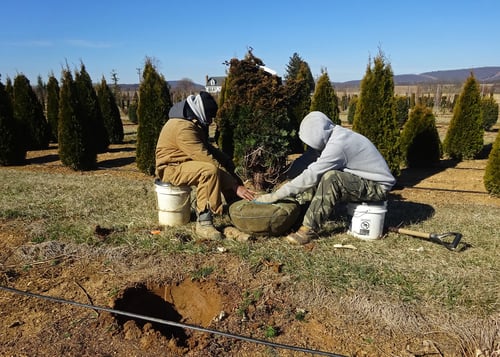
190,302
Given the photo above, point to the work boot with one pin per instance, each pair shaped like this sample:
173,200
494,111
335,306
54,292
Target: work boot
301,237
205,228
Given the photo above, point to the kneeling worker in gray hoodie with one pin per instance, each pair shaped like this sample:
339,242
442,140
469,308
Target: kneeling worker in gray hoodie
340,165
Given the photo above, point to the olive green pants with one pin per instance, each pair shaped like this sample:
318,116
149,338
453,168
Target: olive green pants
338,186
210,182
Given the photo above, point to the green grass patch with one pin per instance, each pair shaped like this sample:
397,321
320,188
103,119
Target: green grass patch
67,207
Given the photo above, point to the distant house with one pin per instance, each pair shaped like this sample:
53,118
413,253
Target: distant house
214,84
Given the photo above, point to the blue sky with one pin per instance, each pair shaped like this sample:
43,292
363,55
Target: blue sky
191,39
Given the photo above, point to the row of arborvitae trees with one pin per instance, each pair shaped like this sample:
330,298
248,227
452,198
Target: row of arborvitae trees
412,140
489,109
23,125
83,120
259,118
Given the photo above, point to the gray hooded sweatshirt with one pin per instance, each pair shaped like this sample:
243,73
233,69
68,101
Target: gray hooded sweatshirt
336,148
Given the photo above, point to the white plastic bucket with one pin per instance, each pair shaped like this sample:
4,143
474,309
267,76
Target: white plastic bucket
367,221
174,208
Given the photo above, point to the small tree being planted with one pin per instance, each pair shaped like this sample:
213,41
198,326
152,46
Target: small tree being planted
253,121
420,144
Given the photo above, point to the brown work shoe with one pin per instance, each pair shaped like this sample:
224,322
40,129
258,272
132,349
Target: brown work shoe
302,236
205,230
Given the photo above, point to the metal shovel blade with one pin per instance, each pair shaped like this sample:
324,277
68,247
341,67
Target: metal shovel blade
434,237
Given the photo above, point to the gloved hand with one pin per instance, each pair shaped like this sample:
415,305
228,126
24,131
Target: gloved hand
267,198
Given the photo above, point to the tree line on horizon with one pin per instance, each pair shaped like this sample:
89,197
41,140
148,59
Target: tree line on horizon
257,122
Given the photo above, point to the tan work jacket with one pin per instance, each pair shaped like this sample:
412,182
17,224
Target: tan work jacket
183,140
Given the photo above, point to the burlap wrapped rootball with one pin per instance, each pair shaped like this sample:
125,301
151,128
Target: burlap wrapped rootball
264,219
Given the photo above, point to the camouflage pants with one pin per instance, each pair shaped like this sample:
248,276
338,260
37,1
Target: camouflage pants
337,186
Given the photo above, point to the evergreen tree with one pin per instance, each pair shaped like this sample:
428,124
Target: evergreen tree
492,172
53,106
90,111
253,121
41,91
489,110
298,92
464,138
420,143
9,88
110,113
298,68
132,109
12,150
225,140
154,105
325,99
402,107
344,102
76,149
29,112
352,109
375,115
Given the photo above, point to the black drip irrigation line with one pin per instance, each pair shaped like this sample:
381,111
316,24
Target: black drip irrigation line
170,323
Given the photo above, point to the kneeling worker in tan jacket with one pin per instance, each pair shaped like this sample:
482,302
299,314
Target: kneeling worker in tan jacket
184,156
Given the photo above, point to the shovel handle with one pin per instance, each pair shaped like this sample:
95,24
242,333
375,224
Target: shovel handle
410,232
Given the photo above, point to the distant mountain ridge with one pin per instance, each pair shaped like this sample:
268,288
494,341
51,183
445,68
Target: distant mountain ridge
453,76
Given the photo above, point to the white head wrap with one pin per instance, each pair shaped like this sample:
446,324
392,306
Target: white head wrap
196,105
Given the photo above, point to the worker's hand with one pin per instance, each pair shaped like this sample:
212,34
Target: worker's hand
245,193
267,198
